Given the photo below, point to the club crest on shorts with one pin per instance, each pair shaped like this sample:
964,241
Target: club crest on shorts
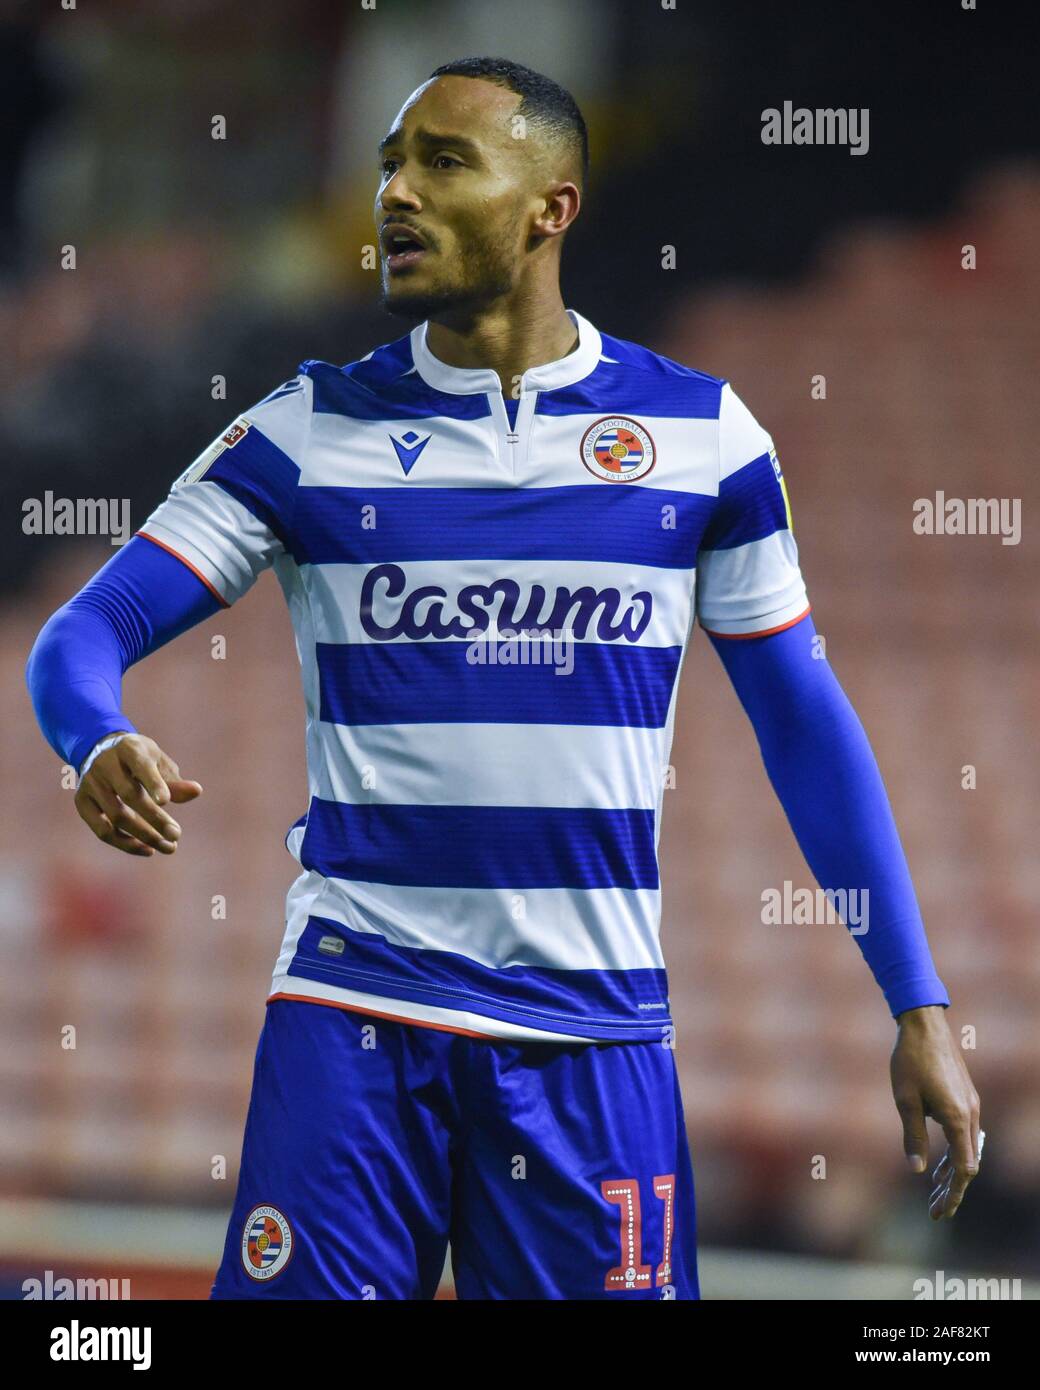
267,1242
618,449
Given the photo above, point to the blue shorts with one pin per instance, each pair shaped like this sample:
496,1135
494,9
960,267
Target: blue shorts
556,1170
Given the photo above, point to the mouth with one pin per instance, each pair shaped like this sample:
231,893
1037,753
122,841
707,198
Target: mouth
403,247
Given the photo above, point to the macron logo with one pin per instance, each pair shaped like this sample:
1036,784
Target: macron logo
408,449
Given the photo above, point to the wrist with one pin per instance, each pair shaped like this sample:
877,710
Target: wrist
104,726
924,1016
108,741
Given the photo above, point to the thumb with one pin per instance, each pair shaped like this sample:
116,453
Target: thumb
182,790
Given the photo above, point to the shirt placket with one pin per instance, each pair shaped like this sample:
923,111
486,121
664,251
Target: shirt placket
512,444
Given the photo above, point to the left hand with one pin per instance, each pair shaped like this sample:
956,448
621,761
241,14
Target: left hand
930,1078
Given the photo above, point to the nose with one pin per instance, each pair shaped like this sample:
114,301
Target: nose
396,194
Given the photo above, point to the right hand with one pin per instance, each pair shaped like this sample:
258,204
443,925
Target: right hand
122,796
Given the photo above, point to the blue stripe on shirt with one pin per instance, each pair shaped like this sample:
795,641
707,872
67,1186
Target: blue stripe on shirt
618,389
261,477
625,525
481,846
407,398
615,1005
750,507
433,683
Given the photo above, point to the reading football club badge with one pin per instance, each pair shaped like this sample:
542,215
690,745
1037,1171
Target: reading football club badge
267,1242
618,449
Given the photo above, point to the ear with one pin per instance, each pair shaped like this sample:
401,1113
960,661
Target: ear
561,203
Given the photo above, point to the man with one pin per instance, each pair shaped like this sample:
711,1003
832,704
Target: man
493,535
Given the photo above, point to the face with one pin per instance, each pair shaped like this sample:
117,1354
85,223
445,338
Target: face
456,200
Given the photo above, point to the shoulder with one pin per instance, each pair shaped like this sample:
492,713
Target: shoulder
335,388
675,388
640,358
284,415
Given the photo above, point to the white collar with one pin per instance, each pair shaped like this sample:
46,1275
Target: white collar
565,371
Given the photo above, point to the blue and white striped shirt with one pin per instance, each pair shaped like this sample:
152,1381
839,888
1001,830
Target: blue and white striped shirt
490,616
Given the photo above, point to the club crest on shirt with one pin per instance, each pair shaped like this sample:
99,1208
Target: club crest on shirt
205,461
267,1242
618,449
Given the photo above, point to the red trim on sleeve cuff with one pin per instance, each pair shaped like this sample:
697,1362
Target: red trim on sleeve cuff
764,632
197,573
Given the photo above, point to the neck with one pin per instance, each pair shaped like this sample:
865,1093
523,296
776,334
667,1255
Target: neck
508,337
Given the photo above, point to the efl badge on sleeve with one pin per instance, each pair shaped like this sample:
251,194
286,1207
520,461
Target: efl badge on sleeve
617,449
208,457
783,486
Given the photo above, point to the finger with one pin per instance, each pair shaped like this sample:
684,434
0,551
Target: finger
167,766
955,1196
943,1168
139,764
181,790
965,1164
127,820
915,1133
938,1200
105,831
138,800
941,1185
118,839
138,783
130,823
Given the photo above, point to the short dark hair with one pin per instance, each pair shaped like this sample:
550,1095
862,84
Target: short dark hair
545,103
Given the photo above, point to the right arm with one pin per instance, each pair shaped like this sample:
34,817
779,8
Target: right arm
141,599
225,520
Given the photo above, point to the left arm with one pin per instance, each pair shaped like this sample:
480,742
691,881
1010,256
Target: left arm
751,600
827,780
824,773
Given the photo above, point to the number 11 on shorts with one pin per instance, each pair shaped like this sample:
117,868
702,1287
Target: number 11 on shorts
632,1273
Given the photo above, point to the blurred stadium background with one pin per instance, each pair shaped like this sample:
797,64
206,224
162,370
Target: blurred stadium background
240,257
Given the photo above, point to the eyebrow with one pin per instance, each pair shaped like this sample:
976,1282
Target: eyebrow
431,139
